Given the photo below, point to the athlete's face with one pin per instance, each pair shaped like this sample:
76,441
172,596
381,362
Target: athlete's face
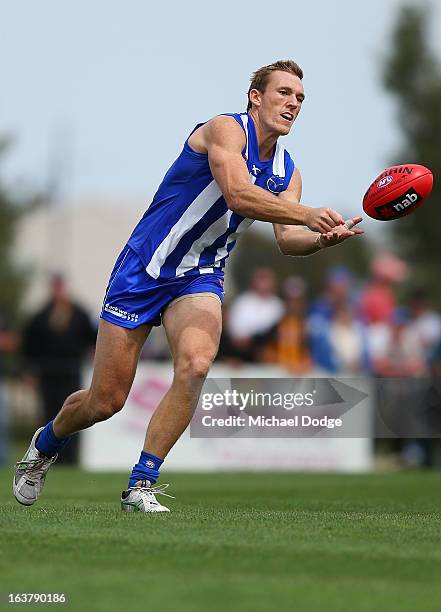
280,103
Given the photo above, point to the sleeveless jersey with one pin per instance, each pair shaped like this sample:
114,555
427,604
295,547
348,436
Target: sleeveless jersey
188,228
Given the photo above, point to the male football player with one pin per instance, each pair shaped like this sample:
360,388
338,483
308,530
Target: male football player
232,170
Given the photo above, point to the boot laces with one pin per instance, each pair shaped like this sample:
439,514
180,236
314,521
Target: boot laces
152,490
35,467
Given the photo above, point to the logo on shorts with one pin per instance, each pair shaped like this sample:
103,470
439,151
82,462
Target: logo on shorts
122,314
150,464
275,184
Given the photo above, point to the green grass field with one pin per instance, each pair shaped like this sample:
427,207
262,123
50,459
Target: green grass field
256,542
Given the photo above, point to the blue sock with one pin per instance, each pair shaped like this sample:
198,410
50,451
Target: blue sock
48,443
147,468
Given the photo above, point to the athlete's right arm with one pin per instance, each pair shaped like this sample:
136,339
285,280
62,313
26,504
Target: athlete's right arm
224,141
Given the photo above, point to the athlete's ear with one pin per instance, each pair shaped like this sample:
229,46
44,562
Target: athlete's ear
255,97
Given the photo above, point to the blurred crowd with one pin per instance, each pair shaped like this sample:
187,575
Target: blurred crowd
380,327
350,328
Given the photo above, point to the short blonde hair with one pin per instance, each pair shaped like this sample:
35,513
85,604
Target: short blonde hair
259,78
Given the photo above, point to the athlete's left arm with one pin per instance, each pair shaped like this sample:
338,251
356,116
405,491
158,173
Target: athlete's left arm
299,241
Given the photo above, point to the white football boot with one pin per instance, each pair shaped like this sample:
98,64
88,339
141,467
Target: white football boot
141,498
30,474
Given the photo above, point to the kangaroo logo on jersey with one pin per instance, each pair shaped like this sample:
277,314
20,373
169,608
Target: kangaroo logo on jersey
275,184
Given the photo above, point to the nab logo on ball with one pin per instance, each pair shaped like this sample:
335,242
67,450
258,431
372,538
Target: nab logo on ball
400,205
385,181
411,198
275,184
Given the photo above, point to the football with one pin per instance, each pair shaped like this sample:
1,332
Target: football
397,191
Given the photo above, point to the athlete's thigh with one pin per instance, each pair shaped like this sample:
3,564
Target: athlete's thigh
116,358
193,325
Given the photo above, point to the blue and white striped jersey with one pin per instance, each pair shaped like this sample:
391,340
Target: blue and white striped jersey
188,228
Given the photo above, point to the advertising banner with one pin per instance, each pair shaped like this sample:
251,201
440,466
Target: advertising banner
246,420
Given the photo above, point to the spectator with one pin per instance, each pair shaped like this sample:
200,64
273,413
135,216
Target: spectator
55,341
398,354
337,294
235,353
377,301
348,341
395,348
255,311
287,343
425,322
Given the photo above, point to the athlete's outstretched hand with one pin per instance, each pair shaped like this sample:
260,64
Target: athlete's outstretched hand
323,219
340,233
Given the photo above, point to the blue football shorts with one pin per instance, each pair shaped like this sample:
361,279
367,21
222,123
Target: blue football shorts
134,298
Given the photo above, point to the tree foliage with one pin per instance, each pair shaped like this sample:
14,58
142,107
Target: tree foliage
12,279
412,74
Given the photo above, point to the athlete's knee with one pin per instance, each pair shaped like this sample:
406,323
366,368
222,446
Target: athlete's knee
193,365
104,405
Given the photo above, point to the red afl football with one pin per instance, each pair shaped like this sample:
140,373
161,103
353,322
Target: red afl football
397,191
